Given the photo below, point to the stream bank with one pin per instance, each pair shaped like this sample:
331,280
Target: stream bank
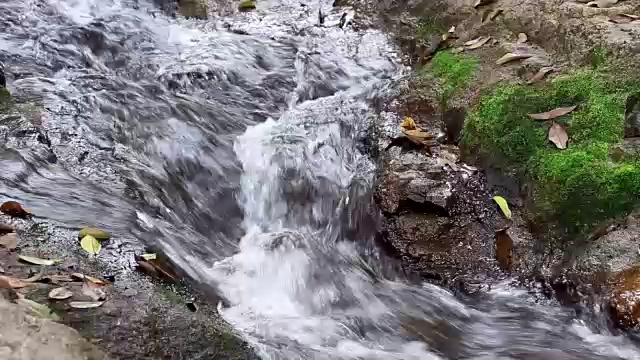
573,235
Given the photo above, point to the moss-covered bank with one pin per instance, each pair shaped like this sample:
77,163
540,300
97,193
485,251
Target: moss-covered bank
583,185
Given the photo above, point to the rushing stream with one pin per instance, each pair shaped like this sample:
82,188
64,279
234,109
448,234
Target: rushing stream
240,153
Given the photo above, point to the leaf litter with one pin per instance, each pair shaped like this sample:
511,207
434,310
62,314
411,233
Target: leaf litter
552,114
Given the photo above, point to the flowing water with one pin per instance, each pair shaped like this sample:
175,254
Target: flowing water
240,153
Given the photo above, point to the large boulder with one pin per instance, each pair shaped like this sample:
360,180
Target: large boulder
24,337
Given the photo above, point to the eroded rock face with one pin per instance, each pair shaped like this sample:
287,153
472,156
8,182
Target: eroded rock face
24,337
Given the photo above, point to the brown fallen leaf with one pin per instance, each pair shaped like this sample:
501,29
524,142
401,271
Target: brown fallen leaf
94,292
477,43
94,280
407,124
5,228
9,241
623,18
602,3
457,50
37,261
494,14
7,282
161,270
540,74
552,114
522,38
14,209
512,57
60,294
419,136
558,136
479,3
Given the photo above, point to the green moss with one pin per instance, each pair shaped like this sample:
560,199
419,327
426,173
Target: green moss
247,5
451,73
6,101
581,186
428,27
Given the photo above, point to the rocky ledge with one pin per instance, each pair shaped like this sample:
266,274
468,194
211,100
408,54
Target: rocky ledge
539,97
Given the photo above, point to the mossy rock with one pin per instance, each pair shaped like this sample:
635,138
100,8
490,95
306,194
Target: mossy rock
196,9
451,74
6,100
96,233
583,185
247,5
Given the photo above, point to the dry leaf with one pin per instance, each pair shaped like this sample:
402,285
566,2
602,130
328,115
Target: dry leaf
540,74
504,206
512,57
94,292
37,261
522,38
85,304
494,14
154,256
458,50
14,209
418,136
558,135
407,124
89,278
60,294
159,269
623,18
555,113
9,241
479,3
476,43
7,282
602,3
90,245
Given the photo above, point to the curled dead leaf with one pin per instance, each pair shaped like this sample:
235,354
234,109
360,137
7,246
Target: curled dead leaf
419,136
9,241
37,261
407,124
522,38
85,304
623,18
93,291
602,3
540,74
558,136
14,209
555,113
477,43
60,294
159,269
94,280
512,57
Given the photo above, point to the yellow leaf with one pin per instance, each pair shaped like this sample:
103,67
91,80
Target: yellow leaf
90,245
408,123
502,203
36,261
149,256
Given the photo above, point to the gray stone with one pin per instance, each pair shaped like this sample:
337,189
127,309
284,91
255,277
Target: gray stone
24,337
